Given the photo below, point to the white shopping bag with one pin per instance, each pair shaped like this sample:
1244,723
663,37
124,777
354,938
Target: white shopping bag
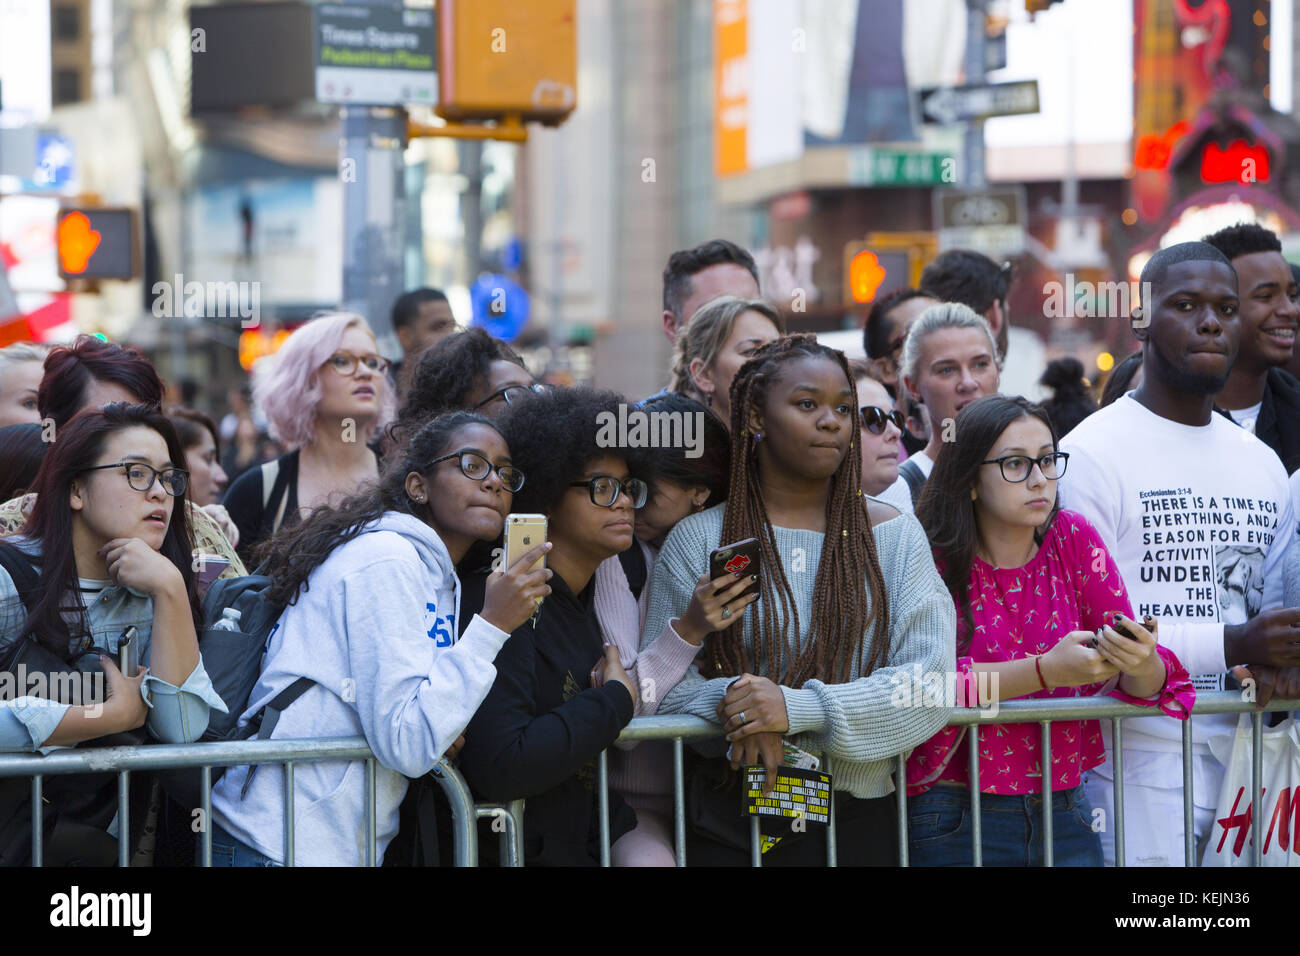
1231,842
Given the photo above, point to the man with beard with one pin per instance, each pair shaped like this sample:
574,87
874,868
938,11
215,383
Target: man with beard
1184,500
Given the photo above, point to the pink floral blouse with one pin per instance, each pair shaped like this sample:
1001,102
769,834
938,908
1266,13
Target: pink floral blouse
1071,584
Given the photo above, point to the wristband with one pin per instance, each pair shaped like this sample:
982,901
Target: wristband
1038,669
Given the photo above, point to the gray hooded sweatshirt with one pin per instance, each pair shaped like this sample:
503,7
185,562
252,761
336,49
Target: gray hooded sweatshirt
376,630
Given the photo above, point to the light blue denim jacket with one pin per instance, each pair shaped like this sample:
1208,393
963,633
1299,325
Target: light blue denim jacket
176,714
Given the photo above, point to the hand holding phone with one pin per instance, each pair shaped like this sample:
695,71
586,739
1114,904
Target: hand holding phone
740,560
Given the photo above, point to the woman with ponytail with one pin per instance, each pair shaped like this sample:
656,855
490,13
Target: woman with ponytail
720,337
851,609
1070,402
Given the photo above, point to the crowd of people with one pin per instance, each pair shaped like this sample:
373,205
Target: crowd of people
906,518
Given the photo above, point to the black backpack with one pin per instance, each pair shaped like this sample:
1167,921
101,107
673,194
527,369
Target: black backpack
78,808
233,660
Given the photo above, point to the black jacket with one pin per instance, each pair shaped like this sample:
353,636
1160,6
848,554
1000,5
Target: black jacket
542,726
1278,424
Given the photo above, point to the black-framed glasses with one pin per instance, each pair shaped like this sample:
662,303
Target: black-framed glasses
1016,468
141,477
475,467
513,393
605,489
345,363
874,418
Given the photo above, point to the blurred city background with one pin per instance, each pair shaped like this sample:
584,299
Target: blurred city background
197,178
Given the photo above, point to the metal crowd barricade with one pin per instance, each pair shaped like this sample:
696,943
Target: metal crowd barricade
204,756
1044,713
677,729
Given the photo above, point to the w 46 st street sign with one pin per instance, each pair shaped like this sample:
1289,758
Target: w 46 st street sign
960,104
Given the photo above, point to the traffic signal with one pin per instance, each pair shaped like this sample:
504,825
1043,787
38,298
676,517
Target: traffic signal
500,57
871,273
98,243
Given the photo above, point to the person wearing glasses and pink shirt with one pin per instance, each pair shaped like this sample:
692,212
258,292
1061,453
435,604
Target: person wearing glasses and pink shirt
326,395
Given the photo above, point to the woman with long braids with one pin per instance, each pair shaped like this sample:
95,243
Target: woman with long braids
371,602
1039,605
850,607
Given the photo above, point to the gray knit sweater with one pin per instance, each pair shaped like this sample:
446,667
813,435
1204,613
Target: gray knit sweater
861,725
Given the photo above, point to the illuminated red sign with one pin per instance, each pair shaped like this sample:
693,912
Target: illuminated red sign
1238,163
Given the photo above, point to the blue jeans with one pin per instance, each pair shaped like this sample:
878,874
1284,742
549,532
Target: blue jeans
228,851
1011,829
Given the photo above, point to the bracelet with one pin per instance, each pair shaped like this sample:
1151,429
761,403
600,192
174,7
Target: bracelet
1038,669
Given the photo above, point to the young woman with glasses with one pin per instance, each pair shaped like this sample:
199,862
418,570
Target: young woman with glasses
544,723
468,370
1041,612
104,557
372,610
326,394
850,603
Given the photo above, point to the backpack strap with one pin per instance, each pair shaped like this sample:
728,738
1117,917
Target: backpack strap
270,716
911,473
275,491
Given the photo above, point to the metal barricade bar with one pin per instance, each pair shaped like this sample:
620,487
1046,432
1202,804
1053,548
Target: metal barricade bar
204,756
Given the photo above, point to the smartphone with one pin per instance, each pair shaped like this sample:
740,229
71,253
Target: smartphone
128,652
211,567
523,533
741,558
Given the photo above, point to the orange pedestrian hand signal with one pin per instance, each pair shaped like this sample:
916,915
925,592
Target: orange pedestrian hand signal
865,275
77,242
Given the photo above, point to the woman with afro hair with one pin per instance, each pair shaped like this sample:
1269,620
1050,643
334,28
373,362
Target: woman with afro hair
545,721
469,371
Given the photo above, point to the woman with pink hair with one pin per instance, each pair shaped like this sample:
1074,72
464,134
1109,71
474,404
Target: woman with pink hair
326,395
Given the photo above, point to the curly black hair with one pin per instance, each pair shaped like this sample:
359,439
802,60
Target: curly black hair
555,434
1243,239
444,374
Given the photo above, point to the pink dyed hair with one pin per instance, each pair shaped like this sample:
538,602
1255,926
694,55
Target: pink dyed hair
287,384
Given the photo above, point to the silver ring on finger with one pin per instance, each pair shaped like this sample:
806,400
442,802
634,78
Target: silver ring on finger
726,613
741,715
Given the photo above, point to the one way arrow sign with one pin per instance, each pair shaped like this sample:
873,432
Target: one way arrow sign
959,104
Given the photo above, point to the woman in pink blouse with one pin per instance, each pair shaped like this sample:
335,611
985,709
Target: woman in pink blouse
1038,601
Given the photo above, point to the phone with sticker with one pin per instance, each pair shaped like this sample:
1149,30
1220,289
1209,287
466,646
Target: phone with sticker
740,559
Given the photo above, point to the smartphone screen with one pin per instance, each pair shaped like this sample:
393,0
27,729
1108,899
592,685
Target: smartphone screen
741,558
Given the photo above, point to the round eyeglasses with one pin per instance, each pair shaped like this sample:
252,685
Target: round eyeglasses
475,467
513,393
141,477
345,363
605,489
1016,468
874,419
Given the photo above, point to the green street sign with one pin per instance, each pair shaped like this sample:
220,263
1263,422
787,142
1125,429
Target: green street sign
873,166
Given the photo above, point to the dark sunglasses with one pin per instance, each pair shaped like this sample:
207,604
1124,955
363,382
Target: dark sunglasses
874,419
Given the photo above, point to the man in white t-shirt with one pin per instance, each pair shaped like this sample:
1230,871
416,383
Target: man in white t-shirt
1197,514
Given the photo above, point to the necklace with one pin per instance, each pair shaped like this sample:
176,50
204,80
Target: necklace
984,556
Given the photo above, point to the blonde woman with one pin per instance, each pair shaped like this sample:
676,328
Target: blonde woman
326,395
719,339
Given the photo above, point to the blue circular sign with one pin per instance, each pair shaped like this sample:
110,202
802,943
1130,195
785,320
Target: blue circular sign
500,305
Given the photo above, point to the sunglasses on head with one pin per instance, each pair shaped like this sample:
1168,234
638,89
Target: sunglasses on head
874,418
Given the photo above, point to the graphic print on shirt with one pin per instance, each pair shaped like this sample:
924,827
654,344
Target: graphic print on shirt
442,628
1203,558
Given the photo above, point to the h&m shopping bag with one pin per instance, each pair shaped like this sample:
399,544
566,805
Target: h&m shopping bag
1231,841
